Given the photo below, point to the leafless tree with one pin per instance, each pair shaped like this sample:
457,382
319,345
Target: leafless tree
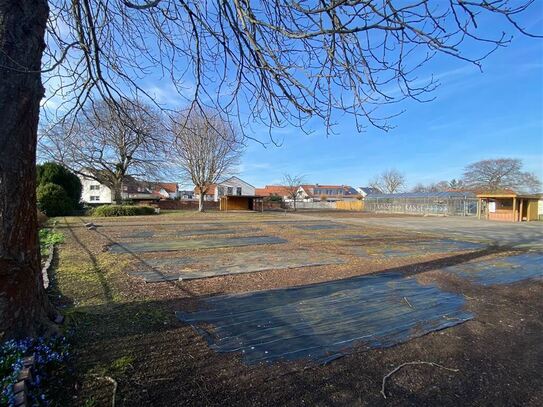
390,181
440,186
107,143
276,61
207,148
500,174
292,184
456,184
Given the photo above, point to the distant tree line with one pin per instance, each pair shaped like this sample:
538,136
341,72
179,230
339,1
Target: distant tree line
492,175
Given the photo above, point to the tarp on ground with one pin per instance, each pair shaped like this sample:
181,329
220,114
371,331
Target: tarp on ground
502,270
221,264
174,245
188,232
323,321
320,226
409,248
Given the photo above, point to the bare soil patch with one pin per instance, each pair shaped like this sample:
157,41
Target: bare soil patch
125,328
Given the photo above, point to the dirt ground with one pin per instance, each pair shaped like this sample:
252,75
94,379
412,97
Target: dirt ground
125,329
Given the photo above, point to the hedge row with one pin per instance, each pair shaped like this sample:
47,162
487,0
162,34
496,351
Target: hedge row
122,210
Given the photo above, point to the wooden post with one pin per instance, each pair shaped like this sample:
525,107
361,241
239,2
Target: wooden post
514,209
520,210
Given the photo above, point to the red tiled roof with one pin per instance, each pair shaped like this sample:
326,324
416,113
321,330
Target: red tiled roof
170,187
210,190
269,190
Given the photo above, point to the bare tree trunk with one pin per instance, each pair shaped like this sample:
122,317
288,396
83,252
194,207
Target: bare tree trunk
117,194
24,306
201,203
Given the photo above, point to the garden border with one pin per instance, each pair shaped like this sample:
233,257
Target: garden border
20,388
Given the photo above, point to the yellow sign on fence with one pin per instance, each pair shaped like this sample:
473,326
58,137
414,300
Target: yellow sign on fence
350,205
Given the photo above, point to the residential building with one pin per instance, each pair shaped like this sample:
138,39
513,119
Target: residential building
92,192
274,190
95,193
328,193
232,186
365,191
187,195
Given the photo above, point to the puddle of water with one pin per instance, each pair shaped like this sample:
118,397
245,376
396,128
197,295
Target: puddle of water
323,321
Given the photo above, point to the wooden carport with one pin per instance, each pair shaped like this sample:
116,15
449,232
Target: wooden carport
508,207
241,203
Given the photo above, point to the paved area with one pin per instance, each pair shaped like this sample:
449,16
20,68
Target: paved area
494,233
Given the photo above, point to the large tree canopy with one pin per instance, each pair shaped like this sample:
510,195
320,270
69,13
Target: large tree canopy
500,174
110,141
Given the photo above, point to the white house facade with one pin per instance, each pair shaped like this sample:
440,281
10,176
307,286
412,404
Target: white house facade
232,186
93,192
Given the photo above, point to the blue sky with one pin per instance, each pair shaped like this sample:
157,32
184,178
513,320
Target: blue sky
496,113
475,115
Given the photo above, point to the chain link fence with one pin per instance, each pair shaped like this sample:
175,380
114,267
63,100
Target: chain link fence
449,206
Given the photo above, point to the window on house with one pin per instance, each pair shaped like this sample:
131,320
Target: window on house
238,191
221,191
230,191
94,198
94,187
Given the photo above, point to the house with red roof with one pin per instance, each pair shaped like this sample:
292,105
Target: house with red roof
328,193
274,190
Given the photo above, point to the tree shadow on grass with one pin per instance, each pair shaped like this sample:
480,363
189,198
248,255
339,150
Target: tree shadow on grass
96,269
114,320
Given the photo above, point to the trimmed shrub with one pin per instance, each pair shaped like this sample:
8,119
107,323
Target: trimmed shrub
57,174
53,200
122,210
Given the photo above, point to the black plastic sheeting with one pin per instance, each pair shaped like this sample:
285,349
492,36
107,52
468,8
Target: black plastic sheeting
174,245
320,226
323,321
502,270
188,232
410,248
221,264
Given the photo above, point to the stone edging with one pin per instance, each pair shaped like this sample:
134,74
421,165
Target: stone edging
47,266
20,388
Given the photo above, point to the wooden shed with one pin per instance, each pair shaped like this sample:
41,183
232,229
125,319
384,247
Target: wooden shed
241,203
509,206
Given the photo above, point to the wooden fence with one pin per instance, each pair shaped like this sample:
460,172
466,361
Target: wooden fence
350,205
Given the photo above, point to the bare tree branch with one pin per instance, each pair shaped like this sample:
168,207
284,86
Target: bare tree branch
390,181
207,147
108,142
292,183
276,62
